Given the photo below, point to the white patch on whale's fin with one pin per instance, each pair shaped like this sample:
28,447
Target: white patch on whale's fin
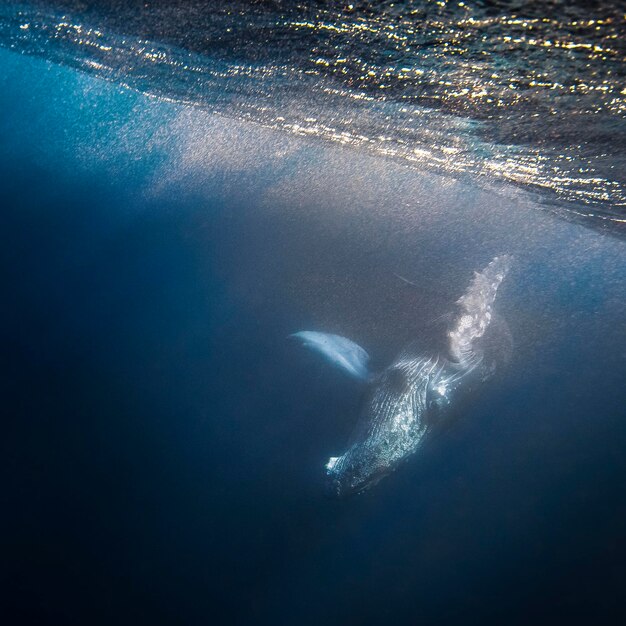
341,352
475,310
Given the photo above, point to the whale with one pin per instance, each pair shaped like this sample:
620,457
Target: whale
405,402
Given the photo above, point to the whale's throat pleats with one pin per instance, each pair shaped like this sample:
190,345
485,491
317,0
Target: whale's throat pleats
394,407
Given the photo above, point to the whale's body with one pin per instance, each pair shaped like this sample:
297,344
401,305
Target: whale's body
405,401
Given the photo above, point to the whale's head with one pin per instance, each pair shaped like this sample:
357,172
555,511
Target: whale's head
355,471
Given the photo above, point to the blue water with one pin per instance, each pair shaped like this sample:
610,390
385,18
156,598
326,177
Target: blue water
164,445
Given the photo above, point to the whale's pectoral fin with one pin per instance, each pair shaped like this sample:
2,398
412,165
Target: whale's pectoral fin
341,352
475,310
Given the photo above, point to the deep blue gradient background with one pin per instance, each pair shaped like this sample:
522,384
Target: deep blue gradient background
163,444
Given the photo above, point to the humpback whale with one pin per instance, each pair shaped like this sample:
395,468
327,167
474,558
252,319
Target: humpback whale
405,401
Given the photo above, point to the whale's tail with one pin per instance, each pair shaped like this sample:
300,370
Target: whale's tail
475,311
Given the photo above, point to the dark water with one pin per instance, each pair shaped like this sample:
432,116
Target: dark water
164,445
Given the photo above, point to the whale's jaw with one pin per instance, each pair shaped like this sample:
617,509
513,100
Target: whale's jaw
349,481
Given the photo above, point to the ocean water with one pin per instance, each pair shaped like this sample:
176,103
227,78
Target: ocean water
164,445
